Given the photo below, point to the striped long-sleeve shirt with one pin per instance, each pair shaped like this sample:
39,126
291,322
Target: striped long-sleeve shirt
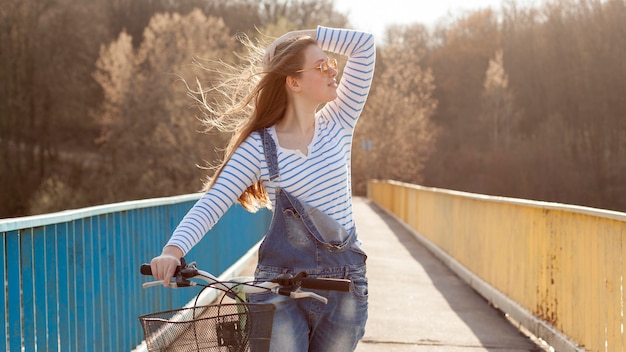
322,178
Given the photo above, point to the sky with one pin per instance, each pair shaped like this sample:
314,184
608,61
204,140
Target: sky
375,15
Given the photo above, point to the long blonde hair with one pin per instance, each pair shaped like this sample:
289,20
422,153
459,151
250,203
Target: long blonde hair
252,96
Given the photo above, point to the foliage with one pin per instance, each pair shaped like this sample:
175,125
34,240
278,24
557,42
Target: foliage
499,113
45,91
397,117
564,112
146,128
94,106
525,102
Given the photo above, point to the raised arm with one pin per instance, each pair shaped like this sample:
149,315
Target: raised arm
356,80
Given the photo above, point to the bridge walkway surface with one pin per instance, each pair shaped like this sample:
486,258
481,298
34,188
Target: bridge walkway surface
417,304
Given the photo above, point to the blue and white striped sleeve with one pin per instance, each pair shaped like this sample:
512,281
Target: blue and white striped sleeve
357,75
242,170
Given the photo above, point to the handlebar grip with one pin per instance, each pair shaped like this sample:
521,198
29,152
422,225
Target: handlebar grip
146,269
326,284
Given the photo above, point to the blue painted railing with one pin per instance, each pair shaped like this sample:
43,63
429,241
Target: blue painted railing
72,282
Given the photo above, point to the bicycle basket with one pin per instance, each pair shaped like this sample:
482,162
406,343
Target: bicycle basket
233,327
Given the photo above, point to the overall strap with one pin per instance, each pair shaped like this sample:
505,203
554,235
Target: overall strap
271,156
326,230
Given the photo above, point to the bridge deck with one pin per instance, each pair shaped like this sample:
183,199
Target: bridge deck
417,303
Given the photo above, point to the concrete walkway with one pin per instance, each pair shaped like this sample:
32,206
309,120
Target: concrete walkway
417,303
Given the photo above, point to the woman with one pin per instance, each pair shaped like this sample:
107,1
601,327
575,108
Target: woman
295,159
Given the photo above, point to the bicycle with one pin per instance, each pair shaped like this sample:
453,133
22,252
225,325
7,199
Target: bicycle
231,324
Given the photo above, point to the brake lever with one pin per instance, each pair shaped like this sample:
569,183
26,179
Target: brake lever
299,294
173,284
306,294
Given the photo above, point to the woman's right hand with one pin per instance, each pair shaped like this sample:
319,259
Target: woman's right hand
164,266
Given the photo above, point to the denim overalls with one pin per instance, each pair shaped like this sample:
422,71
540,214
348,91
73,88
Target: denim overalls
301,238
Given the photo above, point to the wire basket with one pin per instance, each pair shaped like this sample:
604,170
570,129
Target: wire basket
232,327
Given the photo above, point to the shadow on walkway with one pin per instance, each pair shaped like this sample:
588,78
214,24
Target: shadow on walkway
417,303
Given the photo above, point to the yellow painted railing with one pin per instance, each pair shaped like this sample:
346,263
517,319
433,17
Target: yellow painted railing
564,264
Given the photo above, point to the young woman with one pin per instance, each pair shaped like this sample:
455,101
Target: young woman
291,156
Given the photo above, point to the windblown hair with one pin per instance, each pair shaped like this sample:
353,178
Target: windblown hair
250,96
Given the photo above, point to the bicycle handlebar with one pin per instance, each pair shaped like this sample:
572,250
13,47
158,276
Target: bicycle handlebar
316,283
146,269
284,284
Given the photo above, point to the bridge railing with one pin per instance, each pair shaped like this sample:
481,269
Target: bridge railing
71,279
558,269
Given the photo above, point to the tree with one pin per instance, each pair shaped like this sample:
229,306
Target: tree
566,63
302,13
397,117
47,47
147,129
48,93
499,113
498,156
459,57
546,122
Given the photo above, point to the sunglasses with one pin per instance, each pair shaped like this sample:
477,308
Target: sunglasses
324,66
